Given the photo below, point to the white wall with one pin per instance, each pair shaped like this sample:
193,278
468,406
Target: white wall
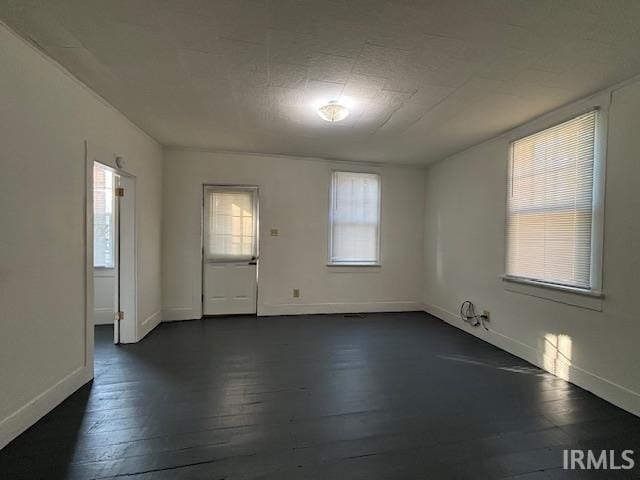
104,296
45,117
294,198
464,258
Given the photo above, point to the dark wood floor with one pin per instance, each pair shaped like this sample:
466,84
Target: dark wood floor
317,397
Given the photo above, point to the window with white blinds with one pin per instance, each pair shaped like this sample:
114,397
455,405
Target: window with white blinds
103,226
550,204
230,224
355,218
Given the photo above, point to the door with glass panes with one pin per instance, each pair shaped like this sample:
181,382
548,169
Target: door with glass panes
230,250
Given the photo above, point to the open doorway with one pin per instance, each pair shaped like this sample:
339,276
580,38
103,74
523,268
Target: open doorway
230,250
114,260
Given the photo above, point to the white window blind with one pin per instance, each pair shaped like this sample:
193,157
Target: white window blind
550,204
103,226
355,218
230,225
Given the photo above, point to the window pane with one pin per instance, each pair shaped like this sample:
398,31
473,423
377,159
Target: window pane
103,226
230,226
550,198
355,216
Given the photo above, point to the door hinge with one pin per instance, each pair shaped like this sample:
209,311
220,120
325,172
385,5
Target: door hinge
119,192
120,315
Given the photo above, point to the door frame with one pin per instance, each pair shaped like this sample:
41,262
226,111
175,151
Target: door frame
94,153
231,187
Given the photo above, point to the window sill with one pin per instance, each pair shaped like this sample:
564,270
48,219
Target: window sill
104,272
588,299
353,265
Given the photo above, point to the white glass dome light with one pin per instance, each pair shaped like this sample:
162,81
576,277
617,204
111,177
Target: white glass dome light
333,112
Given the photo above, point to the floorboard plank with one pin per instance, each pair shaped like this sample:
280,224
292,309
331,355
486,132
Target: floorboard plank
398,395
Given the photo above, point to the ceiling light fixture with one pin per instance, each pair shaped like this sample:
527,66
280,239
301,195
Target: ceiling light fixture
333,112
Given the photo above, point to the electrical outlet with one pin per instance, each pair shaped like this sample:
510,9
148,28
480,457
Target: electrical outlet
296,293
487,314
274,232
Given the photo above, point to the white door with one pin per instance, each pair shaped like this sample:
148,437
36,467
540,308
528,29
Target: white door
124,330
230,250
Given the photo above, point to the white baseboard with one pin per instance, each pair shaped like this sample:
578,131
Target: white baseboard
103,316
174,314
610,391
347,307
34,410
151,322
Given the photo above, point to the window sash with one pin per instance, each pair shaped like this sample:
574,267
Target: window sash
354,219
230,224
550,204
103,217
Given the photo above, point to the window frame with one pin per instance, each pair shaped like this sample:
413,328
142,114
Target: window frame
255,193
113,219
537,287
332,190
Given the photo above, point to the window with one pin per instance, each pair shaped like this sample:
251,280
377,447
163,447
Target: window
550,207
355,219
230,224
103,227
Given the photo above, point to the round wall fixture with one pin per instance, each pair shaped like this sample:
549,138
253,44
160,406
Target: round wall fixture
333,112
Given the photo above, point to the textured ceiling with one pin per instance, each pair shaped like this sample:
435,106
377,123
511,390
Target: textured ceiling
423,79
